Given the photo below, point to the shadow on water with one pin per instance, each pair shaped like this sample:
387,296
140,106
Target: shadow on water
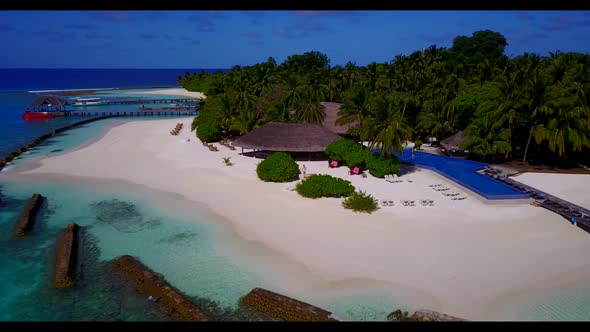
101,293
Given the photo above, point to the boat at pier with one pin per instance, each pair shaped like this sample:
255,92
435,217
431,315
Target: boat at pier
87,102
37,115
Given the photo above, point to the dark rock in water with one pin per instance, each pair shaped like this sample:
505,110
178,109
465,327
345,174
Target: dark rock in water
123,216
283,308
67,258
424,316
27,217
398,316
180,237
57,150
149,283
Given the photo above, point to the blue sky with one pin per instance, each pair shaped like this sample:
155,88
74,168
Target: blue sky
221,39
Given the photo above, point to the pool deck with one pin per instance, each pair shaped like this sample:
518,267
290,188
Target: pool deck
465,174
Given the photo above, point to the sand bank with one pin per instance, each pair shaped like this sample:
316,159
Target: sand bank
465,255
173,92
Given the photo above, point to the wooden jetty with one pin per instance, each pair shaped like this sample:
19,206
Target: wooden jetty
66,260
573,213
146,101
283,308
151,285
27,218
146,112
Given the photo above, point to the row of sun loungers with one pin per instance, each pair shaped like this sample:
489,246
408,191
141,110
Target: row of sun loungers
443,190
226,144
394,178
177,129
423,202
210,146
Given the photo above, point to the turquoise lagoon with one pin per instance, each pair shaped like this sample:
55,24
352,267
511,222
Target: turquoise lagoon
196,251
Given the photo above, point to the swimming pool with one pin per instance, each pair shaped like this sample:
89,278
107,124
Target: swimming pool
464,172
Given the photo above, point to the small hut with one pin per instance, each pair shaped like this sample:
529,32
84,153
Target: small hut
49,104
331,110
288,137
453,143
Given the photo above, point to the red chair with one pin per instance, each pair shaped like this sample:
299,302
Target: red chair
355,171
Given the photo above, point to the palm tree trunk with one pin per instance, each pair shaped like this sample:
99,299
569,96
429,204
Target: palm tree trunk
526,149
404,110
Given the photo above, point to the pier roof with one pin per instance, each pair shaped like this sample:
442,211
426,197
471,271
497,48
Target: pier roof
53,101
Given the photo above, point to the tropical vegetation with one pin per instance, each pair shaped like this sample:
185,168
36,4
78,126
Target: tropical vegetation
322,185
360,201
278,167
511,107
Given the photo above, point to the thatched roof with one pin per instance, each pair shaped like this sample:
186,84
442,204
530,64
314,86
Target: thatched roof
54,101
454,142
331,109
289,137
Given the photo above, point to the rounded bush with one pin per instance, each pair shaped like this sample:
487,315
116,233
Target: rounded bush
338,150
418,143
208,133
324,186
278,167
360,202
358,158
380,166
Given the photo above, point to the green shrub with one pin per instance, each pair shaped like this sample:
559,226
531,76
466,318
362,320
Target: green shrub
338,150
324,186
208,133
418,143
358,158
380,166
360,202
278,167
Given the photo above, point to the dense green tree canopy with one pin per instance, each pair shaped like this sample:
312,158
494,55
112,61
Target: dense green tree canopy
527,106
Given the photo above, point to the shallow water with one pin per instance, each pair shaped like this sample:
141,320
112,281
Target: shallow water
196,251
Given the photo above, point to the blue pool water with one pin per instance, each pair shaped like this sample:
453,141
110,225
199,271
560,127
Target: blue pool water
464,173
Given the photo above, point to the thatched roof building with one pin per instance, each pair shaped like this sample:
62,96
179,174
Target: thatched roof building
453,143
288,137
49,102
331,109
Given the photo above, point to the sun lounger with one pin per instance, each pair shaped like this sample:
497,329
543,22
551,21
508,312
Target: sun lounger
430,202
384,203
423,202
412,203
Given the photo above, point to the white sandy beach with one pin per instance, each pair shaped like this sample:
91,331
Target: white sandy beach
570,187
465,255
173,92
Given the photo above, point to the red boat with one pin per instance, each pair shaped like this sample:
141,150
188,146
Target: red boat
36,115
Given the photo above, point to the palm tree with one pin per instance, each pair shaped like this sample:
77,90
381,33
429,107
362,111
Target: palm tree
295,89
224,107
564,127
355,107
484,137
246,122
385,128
539,100
310,112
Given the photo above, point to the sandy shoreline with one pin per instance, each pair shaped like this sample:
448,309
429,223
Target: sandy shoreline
463,256
173,92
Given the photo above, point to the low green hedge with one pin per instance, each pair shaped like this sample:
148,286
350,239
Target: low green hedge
358,158
208,133
338,150
324,186
360,201
278,167
380,166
